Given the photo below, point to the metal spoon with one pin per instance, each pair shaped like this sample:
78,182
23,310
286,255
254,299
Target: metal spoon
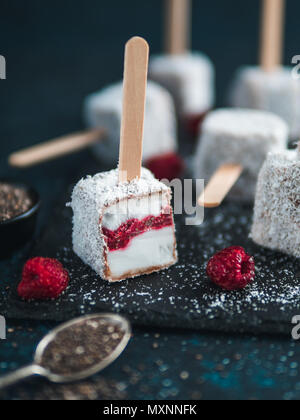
37,368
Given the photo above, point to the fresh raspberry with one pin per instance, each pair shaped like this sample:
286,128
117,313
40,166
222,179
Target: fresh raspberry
232,268
43,278
169,166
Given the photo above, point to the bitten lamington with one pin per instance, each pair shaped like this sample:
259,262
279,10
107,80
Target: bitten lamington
123,230
277,205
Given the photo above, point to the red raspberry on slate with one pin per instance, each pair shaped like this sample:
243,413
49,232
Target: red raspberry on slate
169,166
232,268
43,278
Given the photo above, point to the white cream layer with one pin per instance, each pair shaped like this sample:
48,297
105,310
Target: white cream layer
151,249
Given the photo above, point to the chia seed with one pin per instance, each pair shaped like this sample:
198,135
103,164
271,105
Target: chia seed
14,201
81,347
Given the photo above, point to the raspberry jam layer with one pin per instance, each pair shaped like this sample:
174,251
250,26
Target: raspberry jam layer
168,166
193,124
120,238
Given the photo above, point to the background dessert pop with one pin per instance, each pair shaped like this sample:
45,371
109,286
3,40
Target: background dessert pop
189,76
270,86
104,109
276,216
103,114
233,140
123,222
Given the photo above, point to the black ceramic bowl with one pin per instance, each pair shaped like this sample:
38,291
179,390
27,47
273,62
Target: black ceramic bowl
16,232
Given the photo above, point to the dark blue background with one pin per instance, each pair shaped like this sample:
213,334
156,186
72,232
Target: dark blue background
57,52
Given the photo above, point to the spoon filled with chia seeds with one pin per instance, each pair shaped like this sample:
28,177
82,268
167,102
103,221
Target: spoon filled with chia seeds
76,350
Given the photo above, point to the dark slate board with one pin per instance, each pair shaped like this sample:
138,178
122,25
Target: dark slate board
181,297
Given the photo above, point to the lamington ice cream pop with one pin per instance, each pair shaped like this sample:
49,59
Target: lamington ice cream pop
277,205
240,139
123,222
270,86
188,75
103,115
104,109
277,92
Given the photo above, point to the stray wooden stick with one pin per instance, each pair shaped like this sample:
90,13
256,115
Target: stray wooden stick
178,26
272,34
220,185
55,148
134,101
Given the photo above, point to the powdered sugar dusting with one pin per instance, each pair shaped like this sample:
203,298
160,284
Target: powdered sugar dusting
182,296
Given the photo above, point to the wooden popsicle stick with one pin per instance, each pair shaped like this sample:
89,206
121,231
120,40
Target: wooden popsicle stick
272,34
178,29
133,115
220,185
53,149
